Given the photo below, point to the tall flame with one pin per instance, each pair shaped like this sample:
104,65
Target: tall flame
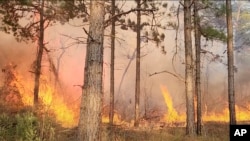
49,97
66,115
171,116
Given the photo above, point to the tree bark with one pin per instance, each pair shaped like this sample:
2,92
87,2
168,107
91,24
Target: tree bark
190,128
198,67
112,71
91,102
39,54
230,59
138,54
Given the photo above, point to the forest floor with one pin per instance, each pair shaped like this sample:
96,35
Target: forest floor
212,131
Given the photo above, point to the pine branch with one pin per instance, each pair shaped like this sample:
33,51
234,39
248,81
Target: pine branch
176,37
92,39
165,71
77,39
127,12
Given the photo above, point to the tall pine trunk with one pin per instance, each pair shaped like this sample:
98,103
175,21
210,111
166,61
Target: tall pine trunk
90,110
138,57
190,127
230,62
39,54
112,71
198,67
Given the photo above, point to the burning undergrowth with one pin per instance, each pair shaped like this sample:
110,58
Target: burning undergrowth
16,95
174,118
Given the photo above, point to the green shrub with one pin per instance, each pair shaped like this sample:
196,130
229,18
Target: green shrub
25,127
6,128
47,129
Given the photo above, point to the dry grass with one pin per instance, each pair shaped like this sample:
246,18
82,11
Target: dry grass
211,132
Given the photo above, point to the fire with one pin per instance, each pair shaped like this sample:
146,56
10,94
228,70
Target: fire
51,100
172,116
105,116
242,114
54,102
116,119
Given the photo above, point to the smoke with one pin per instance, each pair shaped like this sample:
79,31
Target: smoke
20,54
214,73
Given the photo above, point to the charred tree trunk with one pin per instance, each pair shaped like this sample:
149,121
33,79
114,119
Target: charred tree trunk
230,62
39,54
198,67
138,55
190,127
91,103
112,71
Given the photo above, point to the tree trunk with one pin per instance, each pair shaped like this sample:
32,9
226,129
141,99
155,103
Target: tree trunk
39,54
190,128
230,58
197,66
91,102
138,54
112,70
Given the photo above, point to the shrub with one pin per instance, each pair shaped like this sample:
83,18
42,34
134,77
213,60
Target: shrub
25,127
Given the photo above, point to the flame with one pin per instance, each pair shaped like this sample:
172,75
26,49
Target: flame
55,102
116,119
172,116
242,114
51,100
105,116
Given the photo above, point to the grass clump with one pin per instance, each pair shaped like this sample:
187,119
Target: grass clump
25,127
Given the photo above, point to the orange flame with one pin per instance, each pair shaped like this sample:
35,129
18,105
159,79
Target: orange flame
116,119
242,114
172,116
51,100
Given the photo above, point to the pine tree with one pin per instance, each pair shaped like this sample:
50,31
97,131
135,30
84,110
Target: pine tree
91,103
39,14
197,67
230,63
112,71
190,127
